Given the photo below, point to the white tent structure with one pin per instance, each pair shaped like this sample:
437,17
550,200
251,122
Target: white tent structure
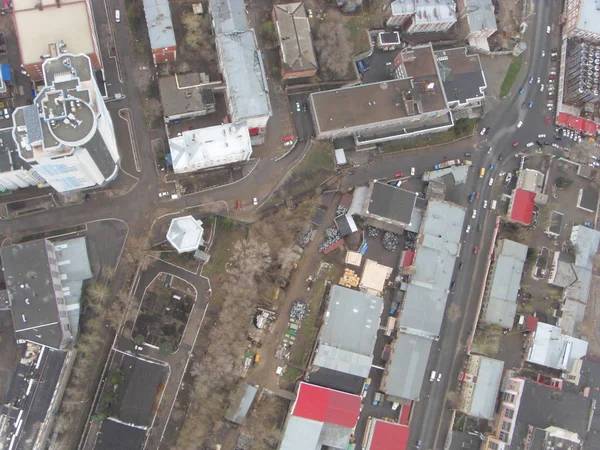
185,234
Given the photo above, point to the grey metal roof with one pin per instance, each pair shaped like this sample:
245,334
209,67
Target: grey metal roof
391,202
244,75
32,293
73,261
406,370
489,376
551,348
301,434
241,403
359,200
480,15
572,315
435,256
505,283
351,320
589,198
228,15
344,361
160,26
586,241
295,40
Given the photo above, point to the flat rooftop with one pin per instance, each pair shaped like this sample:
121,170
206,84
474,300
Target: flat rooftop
179,95
391,202
160,26
589,16
36,29
461,74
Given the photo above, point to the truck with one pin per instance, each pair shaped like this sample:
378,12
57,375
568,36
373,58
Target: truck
452,162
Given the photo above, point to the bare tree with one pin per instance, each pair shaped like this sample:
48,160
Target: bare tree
249,258
198,36
333,44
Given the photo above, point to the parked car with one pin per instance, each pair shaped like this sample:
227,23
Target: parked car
519,124
548,29
394,308
377,398
476,195
492,167
238,205
516,144
432,375
471,197
521,90
491,181
474,214
398,175
468,154
255,201
547,120
468,228
490,149
483,131
475,250
412,171
530,105
485,203
117,15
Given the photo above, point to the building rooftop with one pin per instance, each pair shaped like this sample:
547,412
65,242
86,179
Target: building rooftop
461,74
551,348
586,241
349,331
480,15
38,28
194,148
185,234
160,26
588,198
531,180
228,16
523,204
179,94
320,416
383,435
485,394
390,202
244,74
430,12
407,365
119,435
241,404
589,16
505,282
374,277
295,39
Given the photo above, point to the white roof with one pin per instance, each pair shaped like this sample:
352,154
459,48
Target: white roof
553,349
211,146
340,156
434,12
353,258
589,16
185,234
374,276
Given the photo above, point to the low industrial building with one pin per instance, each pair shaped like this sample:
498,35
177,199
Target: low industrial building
242,67
374,278
241,403
210,147
388,207
185,234
480,384
320,417
296,52
438,246
587,199
347,337
160,31
500,302
185,96
551,348
422,16
479,18
44,281
410,104
463,81
381,434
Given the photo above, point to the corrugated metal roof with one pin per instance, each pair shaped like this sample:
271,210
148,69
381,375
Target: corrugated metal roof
385,436
586,241
351,321
244,75
483,399
327,405
185,234
552,348
160,26
301,434
406,370
342,361
241,405
228,15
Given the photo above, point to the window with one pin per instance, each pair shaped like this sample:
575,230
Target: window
506,425
503,436
66,327
509,413
509,397
493,446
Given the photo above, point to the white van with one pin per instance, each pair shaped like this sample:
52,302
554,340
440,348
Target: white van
117,15
494,203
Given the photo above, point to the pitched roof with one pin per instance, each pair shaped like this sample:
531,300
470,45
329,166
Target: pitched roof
326,405
522,210
391,202
295,39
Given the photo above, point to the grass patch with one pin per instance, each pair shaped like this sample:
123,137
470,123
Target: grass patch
358,27
220,253
291,373
465,128
511,75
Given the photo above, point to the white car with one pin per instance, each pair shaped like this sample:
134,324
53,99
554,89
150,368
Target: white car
539,80
117,15
508,178
474,214
541,136
163,194
543,53
520,124
297,106
439,378
485,204
578,138
288,143
548,29
255,201
412,171
483,131
542,87
550,105
468,228
491,181
529,144
432,376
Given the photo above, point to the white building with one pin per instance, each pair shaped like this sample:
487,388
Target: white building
185,234
421,16
67,135
210,147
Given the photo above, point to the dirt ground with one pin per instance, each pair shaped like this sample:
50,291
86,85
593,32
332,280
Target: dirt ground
508,13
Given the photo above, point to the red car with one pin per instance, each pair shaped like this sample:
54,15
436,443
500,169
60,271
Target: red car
475,250
548,120
238,205
516,144
476,195
288,138
398,175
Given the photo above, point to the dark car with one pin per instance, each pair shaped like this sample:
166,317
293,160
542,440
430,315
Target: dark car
460,266
479,227
500,156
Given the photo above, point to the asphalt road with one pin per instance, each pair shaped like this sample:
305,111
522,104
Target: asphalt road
431,415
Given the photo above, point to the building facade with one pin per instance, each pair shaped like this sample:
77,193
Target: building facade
67,135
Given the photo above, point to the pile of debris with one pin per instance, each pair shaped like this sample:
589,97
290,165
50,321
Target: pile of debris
306,237
298,310
410,239
332,235
390,241
372,232
349,279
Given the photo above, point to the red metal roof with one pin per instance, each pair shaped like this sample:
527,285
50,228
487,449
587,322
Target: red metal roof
408,257
405,414
326,405
577,123
332,247
522,210
388,436
531,323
